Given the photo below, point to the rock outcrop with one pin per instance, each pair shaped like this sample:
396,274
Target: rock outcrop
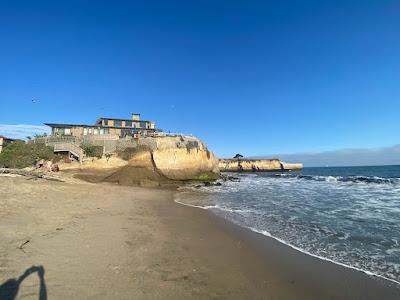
291,166
256,165
161,159
184,158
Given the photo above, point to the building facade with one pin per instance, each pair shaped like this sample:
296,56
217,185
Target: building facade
105,126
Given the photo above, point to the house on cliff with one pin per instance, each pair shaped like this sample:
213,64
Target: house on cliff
105,126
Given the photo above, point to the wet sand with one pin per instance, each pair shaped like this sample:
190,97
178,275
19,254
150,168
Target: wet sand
103,241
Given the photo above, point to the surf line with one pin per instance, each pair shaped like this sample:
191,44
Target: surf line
267,234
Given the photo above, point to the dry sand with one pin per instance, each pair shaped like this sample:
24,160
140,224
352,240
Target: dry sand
103,241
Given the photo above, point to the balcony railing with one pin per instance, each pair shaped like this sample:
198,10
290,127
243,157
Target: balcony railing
51,140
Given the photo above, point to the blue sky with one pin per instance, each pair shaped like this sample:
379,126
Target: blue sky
250,77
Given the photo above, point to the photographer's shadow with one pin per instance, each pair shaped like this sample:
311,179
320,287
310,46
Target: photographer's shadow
9,289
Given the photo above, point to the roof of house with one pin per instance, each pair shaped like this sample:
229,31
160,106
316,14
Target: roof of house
52,125
116,119
68,125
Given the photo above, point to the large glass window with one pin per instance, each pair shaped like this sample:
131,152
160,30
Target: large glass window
143,125
105,122
128,123
62,131
117,123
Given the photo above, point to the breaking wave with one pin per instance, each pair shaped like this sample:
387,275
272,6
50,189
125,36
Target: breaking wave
348,216
352,179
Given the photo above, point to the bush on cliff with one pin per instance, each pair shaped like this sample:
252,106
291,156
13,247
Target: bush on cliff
21,155
92,151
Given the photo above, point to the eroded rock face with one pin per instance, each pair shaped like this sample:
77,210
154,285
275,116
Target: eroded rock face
290,166
255,165
159,159
139,170
184,159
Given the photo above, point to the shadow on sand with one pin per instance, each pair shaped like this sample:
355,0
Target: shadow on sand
9,289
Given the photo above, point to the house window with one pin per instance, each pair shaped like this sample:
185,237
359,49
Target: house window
62,131
118,123
128,123
105,122
143,125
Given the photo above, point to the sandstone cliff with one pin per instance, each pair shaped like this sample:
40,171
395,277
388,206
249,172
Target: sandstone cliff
256,165
163,159
292,166
182,158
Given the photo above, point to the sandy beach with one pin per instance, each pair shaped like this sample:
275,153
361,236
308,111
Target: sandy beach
105,241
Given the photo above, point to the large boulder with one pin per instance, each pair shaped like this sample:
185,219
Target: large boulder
184,158
162,159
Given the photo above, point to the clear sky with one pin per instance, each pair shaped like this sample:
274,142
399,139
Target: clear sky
250,77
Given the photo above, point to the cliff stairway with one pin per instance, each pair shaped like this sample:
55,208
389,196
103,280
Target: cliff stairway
70,147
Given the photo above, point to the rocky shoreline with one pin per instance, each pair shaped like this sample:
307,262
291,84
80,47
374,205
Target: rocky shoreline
257,165
158,161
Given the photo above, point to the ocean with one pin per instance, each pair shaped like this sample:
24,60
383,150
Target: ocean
347,215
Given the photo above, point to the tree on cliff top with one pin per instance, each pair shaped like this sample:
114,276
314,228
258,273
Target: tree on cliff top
237,156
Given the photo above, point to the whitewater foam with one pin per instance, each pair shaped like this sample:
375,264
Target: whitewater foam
268,234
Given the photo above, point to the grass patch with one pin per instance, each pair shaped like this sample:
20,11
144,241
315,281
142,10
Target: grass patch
204,177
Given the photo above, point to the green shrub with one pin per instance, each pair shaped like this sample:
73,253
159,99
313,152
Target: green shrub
204,177
92,151
21,155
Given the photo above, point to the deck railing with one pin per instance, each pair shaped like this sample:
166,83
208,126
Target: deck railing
51,140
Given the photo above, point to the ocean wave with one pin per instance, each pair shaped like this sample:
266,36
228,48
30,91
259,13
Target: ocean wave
297,248
360,269
214,207
347,219
351,179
